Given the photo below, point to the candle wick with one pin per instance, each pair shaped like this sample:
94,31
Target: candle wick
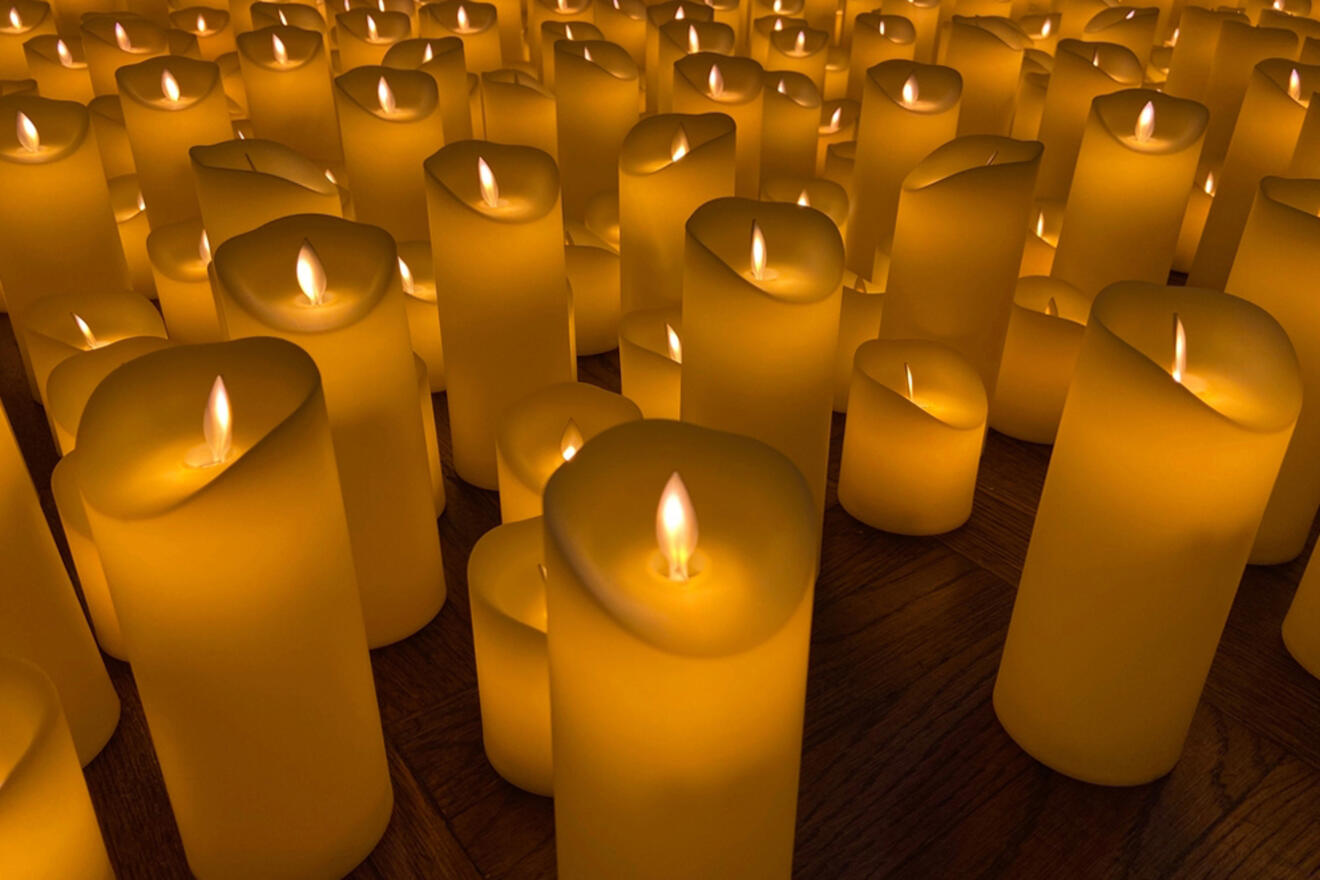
251,164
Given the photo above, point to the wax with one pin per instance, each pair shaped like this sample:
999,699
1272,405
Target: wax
518,110
1198,208
297,15
1030,101
623,22
677,39
541,11
987,51
925,18
1043,29
475,24
825,196
764,28
912,441
111,138
357,332
180,258
804,50
112,41
365,35
755,275
253,738
838,124
287,71
1241,47
705,83
789,125
64,488
506,323
442,59
721,659
651,360
593,276
861,308
1153,495
839,161
25,20
61,75
212,28
417,275
1194,51
131,221
878,38
657,15
596,102
1042,240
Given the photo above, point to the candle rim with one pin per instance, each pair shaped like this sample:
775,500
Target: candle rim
64,127
401,54
43,12
1117,113
610,57
890,76
527,171
802,89
743,77
391,26
1032,292
826,196
898,29
306,13
947,162
255,47
23,683
661,13
714,36
418,96
512,76
481,16
1005,30
279,162
146,37
173,250
1118,64
1114,16
515,592
646,146
141,81
44,47
964,404
417,254
113,315
816,40
73,380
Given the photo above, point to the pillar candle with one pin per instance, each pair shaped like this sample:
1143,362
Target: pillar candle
541,11
987,51
1043,29
669,165
67,494
925,18
1042,239
475,24
518,110
365,35
861,308
597,102
214,35
789,125
253,738
1030,101
838,123
71,384
1180,408
26,20
1198,207
1304,27
971,197
333,287
61,73
417,275
651,360
803,50
40,619
112,41
1194,49
297,15
180,259
705,83
1135,170
287,71
1241,47
825,196
506,323
111,138
507,593
912,441
657,15
1134,29
717,640
1306,155
755,275
683,37
878,38
131,221
839,161
545,429
765,27
1074,14
593,277
908,109
732,13
47,825
623,22
1271,120
441,59
555,32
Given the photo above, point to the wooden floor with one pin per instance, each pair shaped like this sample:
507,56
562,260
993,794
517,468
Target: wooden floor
905,772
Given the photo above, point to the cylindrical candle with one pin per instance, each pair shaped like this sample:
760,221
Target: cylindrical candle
710,83
112,41
764,28
802,50
58,66
290,97
26,20
623,22
925,18
542,11
1241,47
838,124
861,309
987,51
1198,208
427,406
651,360
131,219
67,494
593,276
72,382
657,16
180,259
518,110
417,275
215,36
442,59
555,32
111,138
1194,49
596,106
365,35
878,38
473,23
1125,26
679,38
789,125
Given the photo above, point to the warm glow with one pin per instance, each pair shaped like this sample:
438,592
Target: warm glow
800,44
28,137
994,154
1179,350
66,57
568,31
803,199
715,81
217,423
570,441
311,274
427,54
1130,13
907,374
490,189
462,19
14,21
85,331
373,33
782,86
1145,123
778,24
1052,308
169,87
836,119
121,38
910,90
1295,86
678,14
586,52
284,19
142,205
204,248
1095,58
1278,5
758,251
277,47
675,345
1046,27
1209,183
676,527
406,277
330,176
201,24
1173,40
380,4
881,27
1040,224
385,95
679,146
694,42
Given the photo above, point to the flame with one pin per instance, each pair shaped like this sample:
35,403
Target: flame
463,21
1130,14
406,277
561,5
694,42
1095,58
676,527
201,24
14,21
1278,5
85,331
217,422
800,43
330,176
1047,27
204,248
836,118
311,274
570,441
1173,39
239,132
880,26
777,25
490,188
373,32
1052,308
907,374
1295,86
1145,123
910,90
1179,350
1040,224
679,15
1209,183
679,146
758,251
427,54
568,31
782,86
141,203
715,81
169,87
121,38
284,19
803,199
675,344
380,4
28,136
66,57
385,95
586,53
777,6
278,48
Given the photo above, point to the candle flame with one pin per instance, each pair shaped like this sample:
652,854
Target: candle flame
586,53
880,26
141,203
907,374
679,15
679,146
385,95
1278,5
427,54
836,118
330,176
201,24
715,81
1179,350
910,90
758,251
1209,183
169,87
1040,224
1295,86
311,274
462,16
217,422
1173,38
284,19
561,5
28,136
675,344
121,38
66,57
1095,58
406,277
490,188
280,51
85,331
239,132
694,41
380,4
782,86
373,32
570,441
204,248
1129,15
803,199
14,21
1047,27
1145,123
800,43
676,527
568,31
777,6
1052,308
777,25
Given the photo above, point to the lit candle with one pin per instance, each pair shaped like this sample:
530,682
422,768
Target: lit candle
48,827
506,323
839,161
1030,101
517,109
1042,240
111,138
789,124
860,312
1135,170
68,388
597,100
542,11
435,469
1194,43
925,18
825,196
1131,28
290,96
971,197
757,274
593,276
878,38
206,449
1306,156
912,441
112,41
442,59
987,51
651,361
180,260
365,35
1241,47
683,37
709,83
803,50
297,15
1180,408
58,66
545,429
333,287
556,32
764,28
23,20
475,24
1198,208
211,27
131,220
1074,14
712,626
657,16
838,124
669,166
1043,29
623,22
417,276
733,14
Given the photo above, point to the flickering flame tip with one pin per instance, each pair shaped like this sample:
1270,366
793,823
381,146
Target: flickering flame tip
676,528
311,274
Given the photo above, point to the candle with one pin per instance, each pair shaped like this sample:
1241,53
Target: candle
1274,269
1301,635
669,165
1241,47
1043,29
705,83
112,41
597,102
763,28
912,441
860,312
925,18
40,619
908,110
290,96
506,323
803,50
734,15
25,20
680,38
333,287
789,123
878,38
442,59
1133,29
1271,120
651,360
545,429
70,384
1040,350
1306,156
1194,49
755,275
712,629
111,138
171,104
59,68
205,449
417,276
657,15
555,32
987,51
1042,240
297,15
839,161
623,22
180,258
1180,408
518,110
838,124
542,11
1135,170
211,27
67,495
1198,208
825,196
1074,14
971,197
1030,101
365,35
1299,23
131,220
475,24
507,593
593,276
47,827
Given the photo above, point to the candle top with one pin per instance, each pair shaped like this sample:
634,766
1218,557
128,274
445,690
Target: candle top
982,156
1297,81
791,86
894,28
1006,31
32,722
388,94
24,16
762,8
176,251
839,117
1122,17
742,589
929,380
168,82
825,196
682,10
769,24
126,32
630,9
460,16
517,79
201,20
1109,61
36,130
53,49
722,79
1147,121
298,15
513,585
280,47
87,320
1052,297
917,87
698,36
564,7
417,271
602,55
799,42
73,380
1037,63
421,52
601,218
554,31
659,331
1299,195
518,184
373,26
126,197
668,139
243,157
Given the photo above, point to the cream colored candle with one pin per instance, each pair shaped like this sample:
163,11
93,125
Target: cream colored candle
506,323
67,494
651,360
40,619
25,20
111,138
878,38
597,102
417,276
925,18
548,427
972,198
209,629
1241,47
1180,408
518,110
1135,170
58,66
713,627
908,110
290,96
1194,50
987,51
555,32
475,24
333,287
131,221
180,260
1126,26
212,28
1040,350
683,37
755,275
1030,101
1198,208
1306,155
111,41
47,826
860,312
365,35
802,50
789,124
657,15
669,165
442,59
542,11
764,28
912,442
623,22
838,124
705,83
72,382
507,590
593,276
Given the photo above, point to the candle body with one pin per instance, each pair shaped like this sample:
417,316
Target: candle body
987,51
677,39
1194,53
55,79
1241,47
740,99
446,65
361,44
623,23
790,120
73,381
111,138
1301,626
291,102
878,38
593,279
131,220
925,18
100,39
423,316
480,35
803,50
1150,505
184,283
650,375
1133,29
517,109
86,558
596,105
859,320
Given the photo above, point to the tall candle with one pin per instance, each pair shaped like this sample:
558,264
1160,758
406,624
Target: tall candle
1177,418
623,22
25,20
878,38
70,385
58,66
67,494
252,738
925,18
592,263
987,51
287,71
215,36
417,276
657,15
1134,29
1194,50
131,221
684,37
597,101
365,35
838,124
1198,208
541,11
789,123
1241,47
651,360
803,50
518,110
111,138
1030,101
112,41
475,24
180,259
333,287
705,83
764,28
442,59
